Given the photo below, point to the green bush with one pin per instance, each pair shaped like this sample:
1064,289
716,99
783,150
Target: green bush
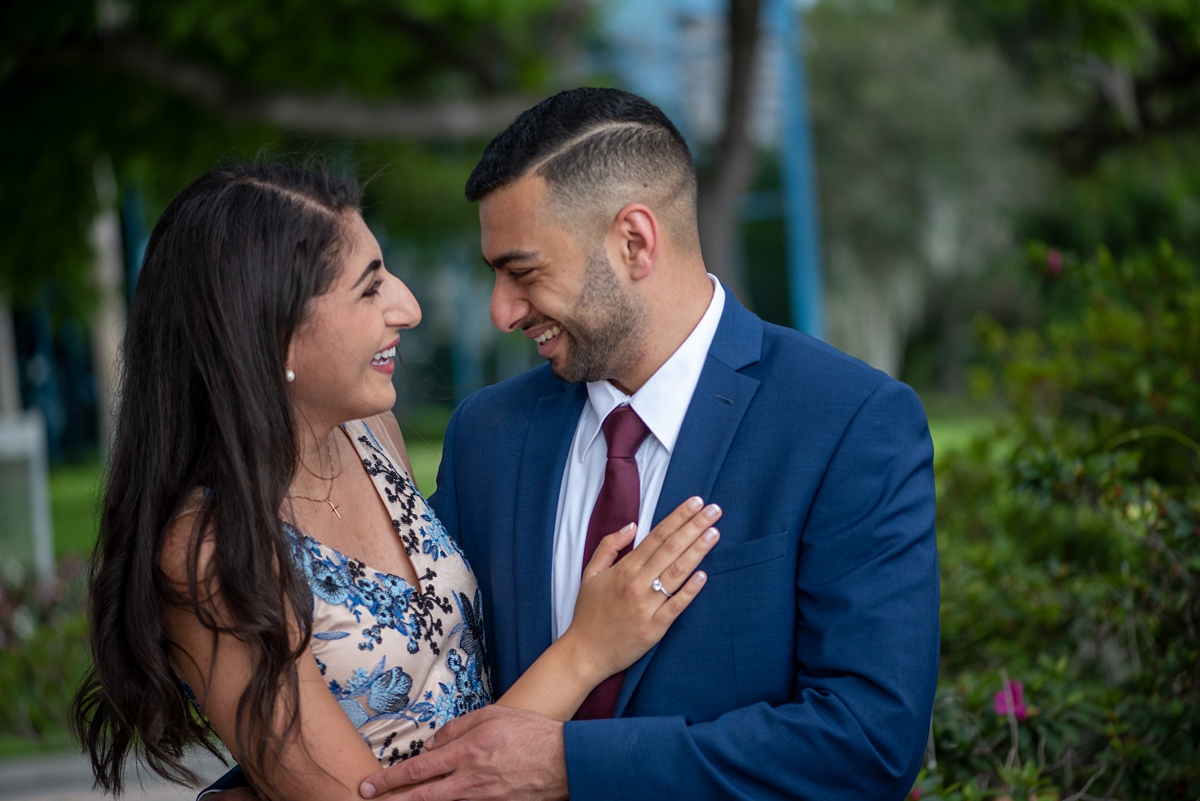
1070,542
43,653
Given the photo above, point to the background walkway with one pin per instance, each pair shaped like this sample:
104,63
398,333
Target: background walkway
69,778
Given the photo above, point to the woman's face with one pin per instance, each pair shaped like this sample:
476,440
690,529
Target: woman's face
344,351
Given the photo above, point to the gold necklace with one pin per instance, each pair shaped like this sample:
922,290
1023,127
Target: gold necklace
332,506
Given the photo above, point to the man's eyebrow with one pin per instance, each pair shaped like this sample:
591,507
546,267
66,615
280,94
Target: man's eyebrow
372,267
504,259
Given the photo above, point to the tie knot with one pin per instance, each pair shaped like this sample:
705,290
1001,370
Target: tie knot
623,432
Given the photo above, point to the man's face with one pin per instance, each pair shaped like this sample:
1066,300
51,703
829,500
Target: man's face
570,302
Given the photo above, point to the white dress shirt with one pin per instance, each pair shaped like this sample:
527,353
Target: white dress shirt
662,403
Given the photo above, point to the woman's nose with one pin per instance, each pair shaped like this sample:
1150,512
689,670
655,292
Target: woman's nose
404,311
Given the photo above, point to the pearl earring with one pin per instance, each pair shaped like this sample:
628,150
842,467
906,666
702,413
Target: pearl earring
290,376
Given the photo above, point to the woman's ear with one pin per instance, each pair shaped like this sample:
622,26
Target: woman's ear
288,361
634,233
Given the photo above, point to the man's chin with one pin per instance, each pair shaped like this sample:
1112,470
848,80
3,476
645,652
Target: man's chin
567,369
563,372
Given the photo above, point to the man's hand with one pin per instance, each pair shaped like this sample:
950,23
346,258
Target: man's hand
497,752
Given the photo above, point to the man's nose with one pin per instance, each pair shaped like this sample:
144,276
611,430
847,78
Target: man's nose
509,306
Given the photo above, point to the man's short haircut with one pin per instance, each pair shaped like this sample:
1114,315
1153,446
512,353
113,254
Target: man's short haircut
598,150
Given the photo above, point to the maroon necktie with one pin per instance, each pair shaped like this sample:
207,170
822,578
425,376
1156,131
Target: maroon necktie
617,505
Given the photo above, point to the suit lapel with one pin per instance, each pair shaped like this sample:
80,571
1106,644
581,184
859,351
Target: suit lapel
539,483
720,401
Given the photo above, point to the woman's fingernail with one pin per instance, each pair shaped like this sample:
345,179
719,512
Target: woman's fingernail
712,511
701,576
367,790
711,535
695,503
628,527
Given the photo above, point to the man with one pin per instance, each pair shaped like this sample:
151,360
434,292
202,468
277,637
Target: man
806,668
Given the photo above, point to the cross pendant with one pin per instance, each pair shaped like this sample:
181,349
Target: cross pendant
334,509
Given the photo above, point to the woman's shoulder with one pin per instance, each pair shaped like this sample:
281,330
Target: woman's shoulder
385,430
186,532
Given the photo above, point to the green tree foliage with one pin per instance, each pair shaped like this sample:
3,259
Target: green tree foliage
404,91
921,160
1135,61
1070,543
1127,149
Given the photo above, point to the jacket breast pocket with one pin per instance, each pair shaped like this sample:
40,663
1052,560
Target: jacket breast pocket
745,554
711,660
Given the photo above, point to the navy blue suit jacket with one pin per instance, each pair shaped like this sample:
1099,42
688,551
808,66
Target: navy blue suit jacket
806,667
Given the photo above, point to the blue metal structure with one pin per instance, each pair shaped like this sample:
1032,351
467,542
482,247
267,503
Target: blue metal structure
647,58
799,181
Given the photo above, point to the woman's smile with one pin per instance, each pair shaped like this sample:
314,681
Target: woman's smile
385,360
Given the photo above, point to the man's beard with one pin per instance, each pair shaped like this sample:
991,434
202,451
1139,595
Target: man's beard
604,330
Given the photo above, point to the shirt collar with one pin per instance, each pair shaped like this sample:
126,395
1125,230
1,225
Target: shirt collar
663,400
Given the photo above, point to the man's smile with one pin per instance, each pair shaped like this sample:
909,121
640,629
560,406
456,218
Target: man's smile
547,335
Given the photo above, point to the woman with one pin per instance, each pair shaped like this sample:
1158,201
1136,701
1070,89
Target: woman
263,557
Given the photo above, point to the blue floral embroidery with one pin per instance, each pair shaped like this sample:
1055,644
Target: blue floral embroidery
435,542
389,693
342,581
329,583
471,636
381,602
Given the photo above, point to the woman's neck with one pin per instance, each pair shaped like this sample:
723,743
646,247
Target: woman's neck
318,464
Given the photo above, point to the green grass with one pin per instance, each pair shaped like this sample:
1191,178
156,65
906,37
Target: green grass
74,506
18,745
952,433
425,455
73,501
73,487
954,421
72,510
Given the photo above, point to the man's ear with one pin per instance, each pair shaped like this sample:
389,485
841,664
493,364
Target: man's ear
634,235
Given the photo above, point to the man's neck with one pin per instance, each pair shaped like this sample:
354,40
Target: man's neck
678,314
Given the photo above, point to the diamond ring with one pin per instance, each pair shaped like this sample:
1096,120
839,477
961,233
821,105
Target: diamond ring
658,587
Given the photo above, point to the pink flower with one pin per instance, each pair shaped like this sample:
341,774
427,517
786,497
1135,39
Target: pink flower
915,794
1010,699
1054,262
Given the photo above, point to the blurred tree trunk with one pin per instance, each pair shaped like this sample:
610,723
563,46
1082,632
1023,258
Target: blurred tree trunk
921,145
108,320
10,388
725,182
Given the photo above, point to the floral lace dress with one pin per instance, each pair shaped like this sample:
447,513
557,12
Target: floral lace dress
401,660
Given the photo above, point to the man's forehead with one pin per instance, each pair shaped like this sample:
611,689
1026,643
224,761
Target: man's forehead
513,221
523,196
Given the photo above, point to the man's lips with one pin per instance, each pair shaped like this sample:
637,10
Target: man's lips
547,335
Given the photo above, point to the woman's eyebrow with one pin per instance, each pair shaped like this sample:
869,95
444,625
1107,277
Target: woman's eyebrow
372,267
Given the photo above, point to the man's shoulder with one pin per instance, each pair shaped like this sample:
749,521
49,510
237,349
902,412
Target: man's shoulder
517,394
802,361
788,359
538,381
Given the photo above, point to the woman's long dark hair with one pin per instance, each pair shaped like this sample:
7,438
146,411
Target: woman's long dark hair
204,412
